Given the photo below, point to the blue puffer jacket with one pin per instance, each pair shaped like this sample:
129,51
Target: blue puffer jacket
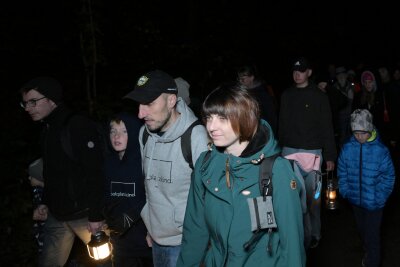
366,173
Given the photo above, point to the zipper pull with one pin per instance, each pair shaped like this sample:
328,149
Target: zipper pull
253,240
227,175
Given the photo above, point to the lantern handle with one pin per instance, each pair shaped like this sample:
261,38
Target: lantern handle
329,175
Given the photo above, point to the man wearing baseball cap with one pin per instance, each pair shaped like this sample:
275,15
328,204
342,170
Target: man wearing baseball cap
167,174
306,131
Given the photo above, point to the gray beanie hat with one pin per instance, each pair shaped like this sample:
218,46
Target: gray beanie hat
361,120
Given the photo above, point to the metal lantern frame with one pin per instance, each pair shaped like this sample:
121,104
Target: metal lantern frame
99,247
331,192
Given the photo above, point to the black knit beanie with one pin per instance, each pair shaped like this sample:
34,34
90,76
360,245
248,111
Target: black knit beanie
47,86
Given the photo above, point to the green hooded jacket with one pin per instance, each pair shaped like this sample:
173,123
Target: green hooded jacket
217,220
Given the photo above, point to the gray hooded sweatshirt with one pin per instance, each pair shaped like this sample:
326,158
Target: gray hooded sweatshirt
168,176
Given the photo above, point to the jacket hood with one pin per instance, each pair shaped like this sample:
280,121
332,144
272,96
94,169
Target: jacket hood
132,124
57,115
262,145
374,137
368,75
176,130
255,84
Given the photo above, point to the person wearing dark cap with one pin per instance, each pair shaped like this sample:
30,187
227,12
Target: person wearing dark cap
72,197
167,173
366,179
41,101
306,134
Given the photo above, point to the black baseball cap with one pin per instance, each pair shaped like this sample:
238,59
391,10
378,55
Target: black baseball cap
151,85
301,64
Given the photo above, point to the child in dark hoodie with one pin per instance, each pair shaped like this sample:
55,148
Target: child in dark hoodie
125,195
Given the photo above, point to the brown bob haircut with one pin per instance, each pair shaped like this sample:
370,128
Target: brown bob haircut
237,105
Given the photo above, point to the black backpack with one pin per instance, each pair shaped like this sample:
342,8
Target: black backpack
101,130
186,144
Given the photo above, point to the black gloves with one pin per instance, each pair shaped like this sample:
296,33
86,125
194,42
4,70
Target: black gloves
118,219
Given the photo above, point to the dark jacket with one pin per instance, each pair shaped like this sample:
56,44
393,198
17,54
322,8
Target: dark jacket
373,102
73,187
125,194
305,121
267,106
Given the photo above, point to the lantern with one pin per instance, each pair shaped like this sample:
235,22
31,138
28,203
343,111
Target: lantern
99,247
331,193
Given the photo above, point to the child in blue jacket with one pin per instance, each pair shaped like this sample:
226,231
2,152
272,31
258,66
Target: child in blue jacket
366,179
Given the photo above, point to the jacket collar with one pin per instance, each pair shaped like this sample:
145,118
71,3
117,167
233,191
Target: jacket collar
258,142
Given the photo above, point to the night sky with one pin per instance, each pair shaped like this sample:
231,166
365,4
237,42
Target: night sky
191,38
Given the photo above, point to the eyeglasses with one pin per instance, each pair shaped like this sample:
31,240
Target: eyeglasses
30,103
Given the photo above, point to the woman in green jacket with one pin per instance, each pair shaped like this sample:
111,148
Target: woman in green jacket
219,228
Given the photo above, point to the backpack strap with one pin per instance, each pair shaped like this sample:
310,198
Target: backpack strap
206,157
145,136
186,144
265,184
265,177
65,137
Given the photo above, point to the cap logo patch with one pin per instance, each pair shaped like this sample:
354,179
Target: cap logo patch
142,80
297,63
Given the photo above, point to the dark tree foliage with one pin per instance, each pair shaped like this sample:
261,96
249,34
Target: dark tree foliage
98,49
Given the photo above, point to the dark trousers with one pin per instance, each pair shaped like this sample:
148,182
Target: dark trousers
132,262
369,227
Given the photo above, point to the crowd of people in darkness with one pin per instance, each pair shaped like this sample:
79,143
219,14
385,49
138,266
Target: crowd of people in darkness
231,180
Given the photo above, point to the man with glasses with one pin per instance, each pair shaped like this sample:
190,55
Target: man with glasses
72,197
